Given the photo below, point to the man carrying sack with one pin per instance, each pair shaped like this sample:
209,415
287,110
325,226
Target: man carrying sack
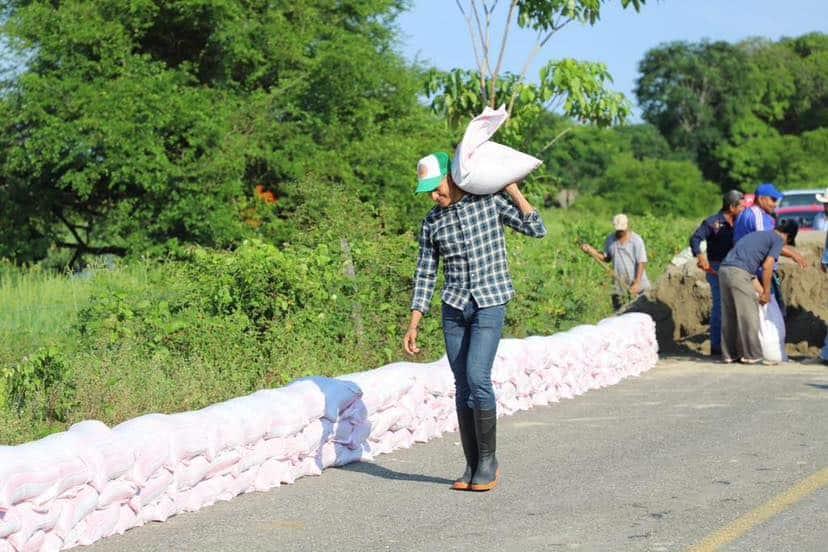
466,231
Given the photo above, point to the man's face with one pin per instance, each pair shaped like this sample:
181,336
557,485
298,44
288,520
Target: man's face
442,194
767,204
738,208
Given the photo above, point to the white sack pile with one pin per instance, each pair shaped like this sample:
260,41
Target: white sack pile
484,167
91,481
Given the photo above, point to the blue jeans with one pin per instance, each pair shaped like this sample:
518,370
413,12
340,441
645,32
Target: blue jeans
472,336
716,310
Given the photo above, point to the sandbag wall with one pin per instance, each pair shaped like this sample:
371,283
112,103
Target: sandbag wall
92,481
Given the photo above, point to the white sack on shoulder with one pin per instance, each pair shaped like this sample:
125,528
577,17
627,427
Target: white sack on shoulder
483,167
493,166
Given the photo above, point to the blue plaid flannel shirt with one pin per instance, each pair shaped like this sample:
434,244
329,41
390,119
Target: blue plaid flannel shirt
468,236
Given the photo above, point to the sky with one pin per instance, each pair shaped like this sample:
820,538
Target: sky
435,32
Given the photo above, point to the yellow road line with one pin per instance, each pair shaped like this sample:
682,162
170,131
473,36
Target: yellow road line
771,508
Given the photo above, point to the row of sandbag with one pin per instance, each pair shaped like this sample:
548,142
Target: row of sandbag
91,481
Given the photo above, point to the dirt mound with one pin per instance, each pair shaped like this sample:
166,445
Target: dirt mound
680,303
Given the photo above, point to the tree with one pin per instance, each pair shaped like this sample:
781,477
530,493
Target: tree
693,93
579,89
142,125
725,104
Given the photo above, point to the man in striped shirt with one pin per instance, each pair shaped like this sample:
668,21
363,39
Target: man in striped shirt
466,231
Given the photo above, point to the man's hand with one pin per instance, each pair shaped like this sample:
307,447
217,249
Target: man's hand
586,248
410,341
800,260
764,297
635,288
702,262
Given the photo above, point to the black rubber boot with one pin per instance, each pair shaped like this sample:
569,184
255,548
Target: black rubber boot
465,421
487,473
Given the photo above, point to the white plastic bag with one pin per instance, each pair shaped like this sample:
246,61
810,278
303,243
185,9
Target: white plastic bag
483,167
772,332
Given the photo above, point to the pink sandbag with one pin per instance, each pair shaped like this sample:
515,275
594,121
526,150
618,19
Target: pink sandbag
160,483
39,471
127,519
98,524
335,394
9,522
74,508
286,410
150,437
273,473
258,453
32,519
484,167
117,491
108,455
192,434
160,510
384,386
238,420
204,494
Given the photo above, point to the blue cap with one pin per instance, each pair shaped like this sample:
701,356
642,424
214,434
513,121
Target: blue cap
768,190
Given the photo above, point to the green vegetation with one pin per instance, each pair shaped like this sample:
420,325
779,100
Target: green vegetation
748,112
209,325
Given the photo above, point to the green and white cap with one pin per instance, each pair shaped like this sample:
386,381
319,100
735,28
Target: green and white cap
431,170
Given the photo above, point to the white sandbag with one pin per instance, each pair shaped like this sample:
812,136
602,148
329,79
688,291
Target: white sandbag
107,453
159,510
257,454
287,410
484,167
51,543
772,332
127,520
192,435
273,473
73,510
154,487
150,437
493,166
9,522
118,491
336,394
98,524
39,471
251,425
383,386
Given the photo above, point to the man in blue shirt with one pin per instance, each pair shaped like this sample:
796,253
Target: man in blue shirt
717,232
740,300
759,216
466,232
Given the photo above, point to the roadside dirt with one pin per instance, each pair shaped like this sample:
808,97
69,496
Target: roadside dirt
679,302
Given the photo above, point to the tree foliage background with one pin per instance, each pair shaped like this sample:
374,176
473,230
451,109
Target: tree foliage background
137,127
145,124
746,113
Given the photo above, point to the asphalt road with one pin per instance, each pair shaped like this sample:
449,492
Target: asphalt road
692,454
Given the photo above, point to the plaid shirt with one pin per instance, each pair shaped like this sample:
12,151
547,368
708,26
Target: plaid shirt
468,235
